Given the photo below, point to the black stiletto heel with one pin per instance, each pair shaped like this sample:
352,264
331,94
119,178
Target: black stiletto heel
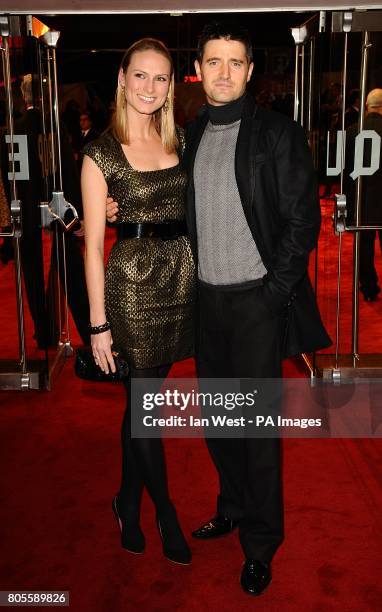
175,547
132,538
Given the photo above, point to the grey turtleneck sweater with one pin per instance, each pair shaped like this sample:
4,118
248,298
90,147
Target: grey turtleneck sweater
227,252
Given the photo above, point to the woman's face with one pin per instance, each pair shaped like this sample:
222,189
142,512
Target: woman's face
146,81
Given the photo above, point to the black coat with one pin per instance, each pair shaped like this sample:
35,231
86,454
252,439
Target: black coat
90,136
278,189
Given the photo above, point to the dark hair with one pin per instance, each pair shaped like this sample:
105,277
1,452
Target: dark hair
227,30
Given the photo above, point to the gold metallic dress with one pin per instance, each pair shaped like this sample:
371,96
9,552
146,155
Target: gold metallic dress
149,282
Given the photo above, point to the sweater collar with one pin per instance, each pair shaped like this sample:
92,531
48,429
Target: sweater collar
226,113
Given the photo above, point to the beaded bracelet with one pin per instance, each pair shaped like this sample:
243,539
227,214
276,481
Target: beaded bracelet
99,329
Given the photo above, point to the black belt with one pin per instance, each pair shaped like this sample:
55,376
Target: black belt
257,282
168,230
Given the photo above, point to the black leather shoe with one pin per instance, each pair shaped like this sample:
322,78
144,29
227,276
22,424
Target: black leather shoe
216,527
175,547
255,576
132,538
371,298
371,294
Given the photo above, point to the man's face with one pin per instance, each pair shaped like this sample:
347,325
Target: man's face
85,123
224,70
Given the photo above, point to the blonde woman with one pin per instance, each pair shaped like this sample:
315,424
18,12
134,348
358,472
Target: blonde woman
142,306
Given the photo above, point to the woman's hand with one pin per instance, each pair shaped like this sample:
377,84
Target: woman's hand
101,347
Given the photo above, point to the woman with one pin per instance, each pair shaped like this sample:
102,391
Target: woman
147,292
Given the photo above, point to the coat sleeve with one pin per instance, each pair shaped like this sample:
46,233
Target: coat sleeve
299,210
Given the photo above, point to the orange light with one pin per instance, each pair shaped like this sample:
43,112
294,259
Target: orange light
38,28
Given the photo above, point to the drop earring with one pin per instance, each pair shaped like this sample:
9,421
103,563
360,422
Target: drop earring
121,85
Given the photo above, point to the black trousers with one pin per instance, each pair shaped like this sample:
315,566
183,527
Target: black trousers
239,337
367,273
33,272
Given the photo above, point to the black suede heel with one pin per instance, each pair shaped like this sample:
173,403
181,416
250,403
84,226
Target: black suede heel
132,538
175,547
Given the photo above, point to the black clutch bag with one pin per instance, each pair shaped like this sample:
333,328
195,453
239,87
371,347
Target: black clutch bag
85,367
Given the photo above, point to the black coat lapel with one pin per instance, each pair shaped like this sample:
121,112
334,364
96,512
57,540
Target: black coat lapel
246,146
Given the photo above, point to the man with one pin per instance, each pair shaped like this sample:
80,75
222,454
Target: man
88,133
253,217
371,206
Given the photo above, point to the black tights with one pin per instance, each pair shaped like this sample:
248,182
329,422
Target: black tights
143,460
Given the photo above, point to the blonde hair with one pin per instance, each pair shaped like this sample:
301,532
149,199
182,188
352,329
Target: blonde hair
27,89
164,117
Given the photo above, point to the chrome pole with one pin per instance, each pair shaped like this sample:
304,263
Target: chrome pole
312,144
53,148
51,39
296,67
53,173
344,80
43,121
60,187
355,323
310,94
302,84
18,229
339,256
57,115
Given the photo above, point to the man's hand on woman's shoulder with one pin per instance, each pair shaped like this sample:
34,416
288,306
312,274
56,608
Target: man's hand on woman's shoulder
111,210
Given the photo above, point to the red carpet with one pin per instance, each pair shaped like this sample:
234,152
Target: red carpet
60,468
370,315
